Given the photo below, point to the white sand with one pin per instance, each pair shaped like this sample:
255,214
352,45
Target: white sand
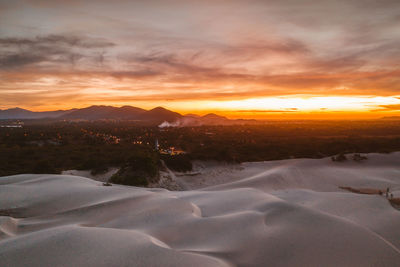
281,213
102,177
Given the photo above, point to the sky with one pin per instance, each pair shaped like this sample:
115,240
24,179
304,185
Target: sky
255,58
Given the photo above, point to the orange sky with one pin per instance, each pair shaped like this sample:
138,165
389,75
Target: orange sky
261,59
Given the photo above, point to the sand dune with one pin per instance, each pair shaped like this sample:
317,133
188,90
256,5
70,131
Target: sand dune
280,213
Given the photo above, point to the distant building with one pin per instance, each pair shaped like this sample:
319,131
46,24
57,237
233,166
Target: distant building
172,151
156,146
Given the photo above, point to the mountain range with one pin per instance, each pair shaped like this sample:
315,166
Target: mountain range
158,115
19,113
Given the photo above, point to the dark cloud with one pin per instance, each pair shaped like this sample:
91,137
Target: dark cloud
264,47
18,60
171,65
56,40
393,107
133,74
52,49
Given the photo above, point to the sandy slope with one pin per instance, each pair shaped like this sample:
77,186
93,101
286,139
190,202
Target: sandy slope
281,213
103,177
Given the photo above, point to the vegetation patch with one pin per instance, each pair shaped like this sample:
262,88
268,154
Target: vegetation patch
395,202
180,163
139,170
367,191
55,146
15,213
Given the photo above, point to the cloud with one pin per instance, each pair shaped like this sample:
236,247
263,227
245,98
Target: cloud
268,110
177,50
393,107
18,60
56,40
56,49
134,74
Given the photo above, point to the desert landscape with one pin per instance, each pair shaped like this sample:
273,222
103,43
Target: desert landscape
190,133
280,213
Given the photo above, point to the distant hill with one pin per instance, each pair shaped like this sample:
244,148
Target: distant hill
156,116
391,118
19,113
160,114
212,118
105,112
209,119
192,115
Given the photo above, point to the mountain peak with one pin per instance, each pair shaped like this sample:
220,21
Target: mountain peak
192,115
213,116
17,109
159,108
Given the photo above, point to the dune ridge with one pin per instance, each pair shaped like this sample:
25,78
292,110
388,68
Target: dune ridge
280,213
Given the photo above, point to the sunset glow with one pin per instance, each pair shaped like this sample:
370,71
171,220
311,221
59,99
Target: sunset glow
301,104
259,59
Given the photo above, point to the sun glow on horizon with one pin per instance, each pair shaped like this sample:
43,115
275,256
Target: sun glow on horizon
305,103
294,105
227,57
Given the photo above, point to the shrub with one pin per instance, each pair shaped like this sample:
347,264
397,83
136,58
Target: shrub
44,166
179,163
139,170
357,157
339,158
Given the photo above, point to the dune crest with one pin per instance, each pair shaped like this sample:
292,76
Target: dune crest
281,213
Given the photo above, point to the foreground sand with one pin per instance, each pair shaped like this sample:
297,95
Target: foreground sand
281,213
